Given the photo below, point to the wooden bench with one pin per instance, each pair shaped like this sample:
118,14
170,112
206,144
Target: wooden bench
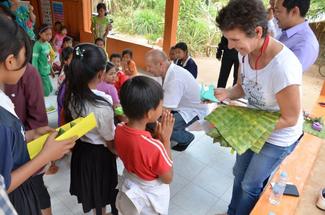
298,166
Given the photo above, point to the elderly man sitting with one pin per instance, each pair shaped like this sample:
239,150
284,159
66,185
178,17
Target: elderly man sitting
181,95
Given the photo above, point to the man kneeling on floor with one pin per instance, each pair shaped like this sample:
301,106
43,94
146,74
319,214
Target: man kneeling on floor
181,96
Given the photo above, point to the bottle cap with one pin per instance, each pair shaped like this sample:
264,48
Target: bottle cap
284,174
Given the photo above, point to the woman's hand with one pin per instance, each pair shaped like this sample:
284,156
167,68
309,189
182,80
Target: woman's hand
221,94
54,150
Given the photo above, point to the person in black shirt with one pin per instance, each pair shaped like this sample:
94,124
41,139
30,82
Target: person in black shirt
229,58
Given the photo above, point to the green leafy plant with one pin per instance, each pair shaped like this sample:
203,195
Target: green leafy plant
147,22
196,20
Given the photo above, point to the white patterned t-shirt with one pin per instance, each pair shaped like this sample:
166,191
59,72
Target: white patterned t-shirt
260,91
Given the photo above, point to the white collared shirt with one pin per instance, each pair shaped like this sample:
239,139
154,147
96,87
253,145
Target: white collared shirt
7,104
182,93
183,64
104,115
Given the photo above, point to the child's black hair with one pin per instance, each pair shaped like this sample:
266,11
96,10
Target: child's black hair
43,28
101,6
65,54
66,39
57,23
87,61
99,39
127,51
182,46
109,66
140,94
13,39
115,55
172,48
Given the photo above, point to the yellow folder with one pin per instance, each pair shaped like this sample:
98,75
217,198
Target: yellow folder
77,127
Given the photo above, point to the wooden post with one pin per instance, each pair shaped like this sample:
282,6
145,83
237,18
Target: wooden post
86,15
171,18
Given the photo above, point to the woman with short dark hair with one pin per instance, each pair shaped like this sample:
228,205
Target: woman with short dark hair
270,79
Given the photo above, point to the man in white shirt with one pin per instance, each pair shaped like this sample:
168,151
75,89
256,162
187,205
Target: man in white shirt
181,95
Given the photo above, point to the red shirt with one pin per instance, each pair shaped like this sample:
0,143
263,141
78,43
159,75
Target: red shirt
121,79
141,154
28,98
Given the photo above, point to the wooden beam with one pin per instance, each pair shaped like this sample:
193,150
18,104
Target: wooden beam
171,18
86,15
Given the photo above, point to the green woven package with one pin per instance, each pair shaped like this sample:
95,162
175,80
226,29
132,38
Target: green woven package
241,128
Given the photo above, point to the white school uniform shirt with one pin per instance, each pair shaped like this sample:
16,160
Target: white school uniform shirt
182,93
7,104
283,70
104,115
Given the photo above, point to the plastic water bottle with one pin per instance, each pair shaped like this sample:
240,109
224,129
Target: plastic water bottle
278,189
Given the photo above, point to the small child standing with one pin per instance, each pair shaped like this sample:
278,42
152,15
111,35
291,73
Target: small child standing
128,64
107,84
147,161
58,39
116,59
57,65
101,43
57,27
93,164
41,57
101,24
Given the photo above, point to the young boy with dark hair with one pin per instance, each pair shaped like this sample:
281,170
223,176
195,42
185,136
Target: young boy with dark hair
147,160
116,59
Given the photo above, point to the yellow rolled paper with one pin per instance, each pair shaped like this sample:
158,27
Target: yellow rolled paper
80,127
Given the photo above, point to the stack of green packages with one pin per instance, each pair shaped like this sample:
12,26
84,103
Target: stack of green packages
241,128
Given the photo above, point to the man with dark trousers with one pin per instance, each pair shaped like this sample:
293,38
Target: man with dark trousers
229,58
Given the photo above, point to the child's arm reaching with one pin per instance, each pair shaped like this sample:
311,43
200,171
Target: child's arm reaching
53,150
